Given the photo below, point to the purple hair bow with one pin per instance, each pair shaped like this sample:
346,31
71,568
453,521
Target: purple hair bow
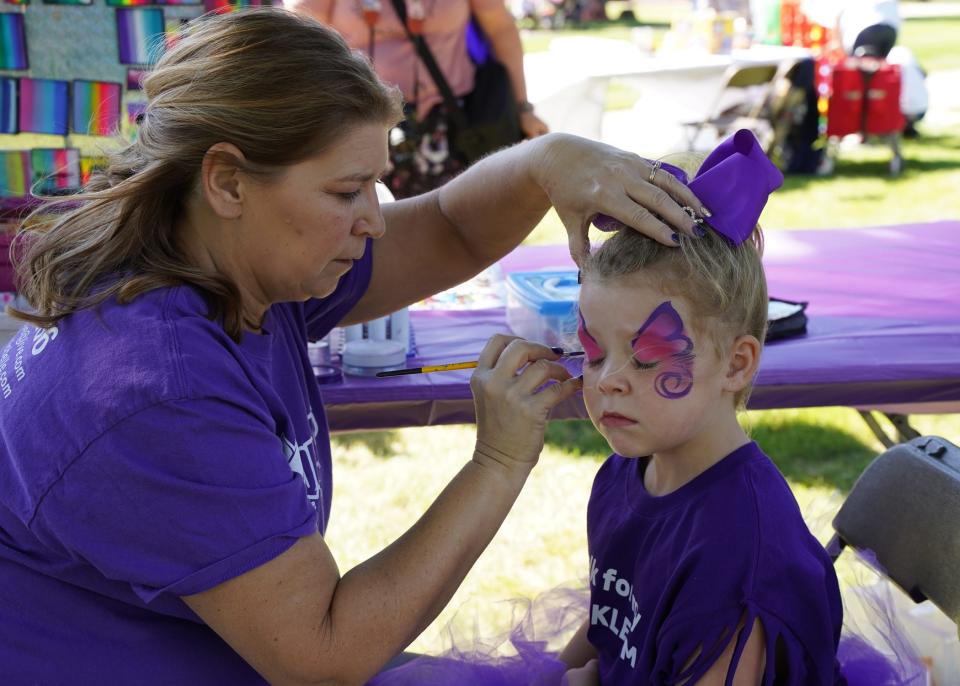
734,182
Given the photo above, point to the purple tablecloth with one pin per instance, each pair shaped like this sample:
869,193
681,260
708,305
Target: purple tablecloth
884,330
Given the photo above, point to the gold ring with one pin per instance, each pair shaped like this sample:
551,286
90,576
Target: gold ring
653,170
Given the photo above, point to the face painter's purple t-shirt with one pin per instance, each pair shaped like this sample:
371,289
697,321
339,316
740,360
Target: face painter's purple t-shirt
672,576
145,456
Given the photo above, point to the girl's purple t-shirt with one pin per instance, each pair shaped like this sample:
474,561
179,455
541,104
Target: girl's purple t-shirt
672,577
144,456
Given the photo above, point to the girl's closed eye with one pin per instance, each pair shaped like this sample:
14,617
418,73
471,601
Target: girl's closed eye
643,366
637,364
350,196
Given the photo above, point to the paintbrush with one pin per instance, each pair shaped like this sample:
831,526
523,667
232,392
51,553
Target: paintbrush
453,366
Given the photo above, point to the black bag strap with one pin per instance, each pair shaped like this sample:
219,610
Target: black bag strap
449,99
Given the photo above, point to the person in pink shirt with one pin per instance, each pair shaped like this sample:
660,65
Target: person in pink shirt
444,28
373,27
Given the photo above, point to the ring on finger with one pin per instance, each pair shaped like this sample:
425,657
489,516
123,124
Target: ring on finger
653,170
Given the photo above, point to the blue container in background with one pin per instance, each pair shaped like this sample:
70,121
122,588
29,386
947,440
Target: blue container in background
542,306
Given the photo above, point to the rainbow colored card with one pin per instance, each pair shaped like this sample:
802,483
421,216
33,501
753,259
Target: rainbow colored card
17,2
55,170
8,105
13,41
95,108
145,3
140,35
224,6
43,106
14,173
67,2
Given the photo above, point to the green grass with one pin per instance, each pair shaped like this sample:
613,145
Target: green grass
385,480
933,41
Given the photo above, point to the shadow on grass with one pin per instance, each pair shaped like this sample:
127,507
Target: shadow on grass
379,443
813,454
806,453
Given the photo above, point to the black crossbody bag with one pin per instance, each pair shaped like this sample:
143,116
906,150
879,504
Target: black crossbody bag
488,119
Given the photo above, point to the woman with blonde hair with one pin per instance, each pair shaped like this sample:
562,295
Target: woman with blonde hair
165,470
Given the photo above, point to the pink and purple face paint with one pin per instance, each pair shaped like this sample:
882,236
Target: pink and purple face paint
660,341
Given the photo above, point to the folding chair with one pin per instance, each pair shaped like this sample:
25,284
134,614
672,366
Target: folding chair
905,508
741,103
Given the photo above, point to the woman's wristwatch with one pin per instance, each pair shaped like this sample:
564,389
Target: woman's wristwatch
524,106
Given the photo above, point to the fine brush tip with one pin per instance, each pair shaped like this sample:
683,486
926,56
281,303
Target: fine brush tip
565,353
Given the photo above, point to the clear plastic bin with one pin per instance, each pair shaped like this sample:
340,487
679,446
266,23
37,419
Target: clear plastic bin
542,306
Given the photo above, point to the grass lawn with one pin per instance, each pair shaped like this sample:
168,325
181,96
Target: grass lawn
385,480
933,41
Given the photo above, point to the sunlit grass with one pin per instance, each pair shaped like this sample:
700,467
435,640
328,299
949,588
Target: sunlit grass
542,544
933,42
386,480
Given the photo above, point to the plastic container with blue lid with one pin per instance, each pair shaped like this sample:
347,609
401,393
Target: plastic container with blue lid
542,306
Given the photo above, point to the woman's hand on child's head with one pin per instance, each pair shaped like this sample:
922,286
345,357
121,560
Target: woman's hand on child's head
584,178
582,676
515,386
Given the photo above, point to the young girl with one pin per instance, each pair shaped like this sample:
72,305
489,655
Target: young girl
701,569
701,566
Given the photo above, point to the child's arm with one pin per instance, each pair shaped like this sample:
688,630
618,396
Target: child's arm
751,666
582,676
578,651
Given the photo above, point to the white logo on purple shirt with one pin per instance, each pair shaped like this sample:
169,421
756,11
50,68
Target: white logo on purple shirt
42,337
615,588
302,458
15,350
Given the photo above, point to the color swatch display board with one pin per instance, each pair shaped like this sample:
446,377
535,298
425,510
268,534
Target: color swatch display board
71,70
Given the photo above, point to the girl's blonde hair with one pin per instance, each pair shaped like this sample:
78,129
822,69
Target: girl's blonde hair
724,284
279,86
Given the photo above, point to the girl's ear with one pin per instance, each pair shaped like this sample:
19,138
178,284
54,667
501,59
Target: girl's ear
743,363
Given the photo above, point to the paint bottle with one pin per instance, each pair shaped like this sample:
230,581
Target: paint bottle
400,328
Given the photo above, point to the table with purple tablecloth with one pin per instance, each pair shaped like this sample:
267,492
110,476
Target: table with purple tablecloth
883,332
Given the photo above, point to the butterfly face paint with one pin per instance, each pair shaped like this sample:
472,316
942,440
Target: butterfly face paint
590,346
662,341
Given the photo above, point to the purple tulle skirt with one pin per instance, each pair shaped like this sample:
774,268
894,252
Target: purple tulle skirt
527,654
